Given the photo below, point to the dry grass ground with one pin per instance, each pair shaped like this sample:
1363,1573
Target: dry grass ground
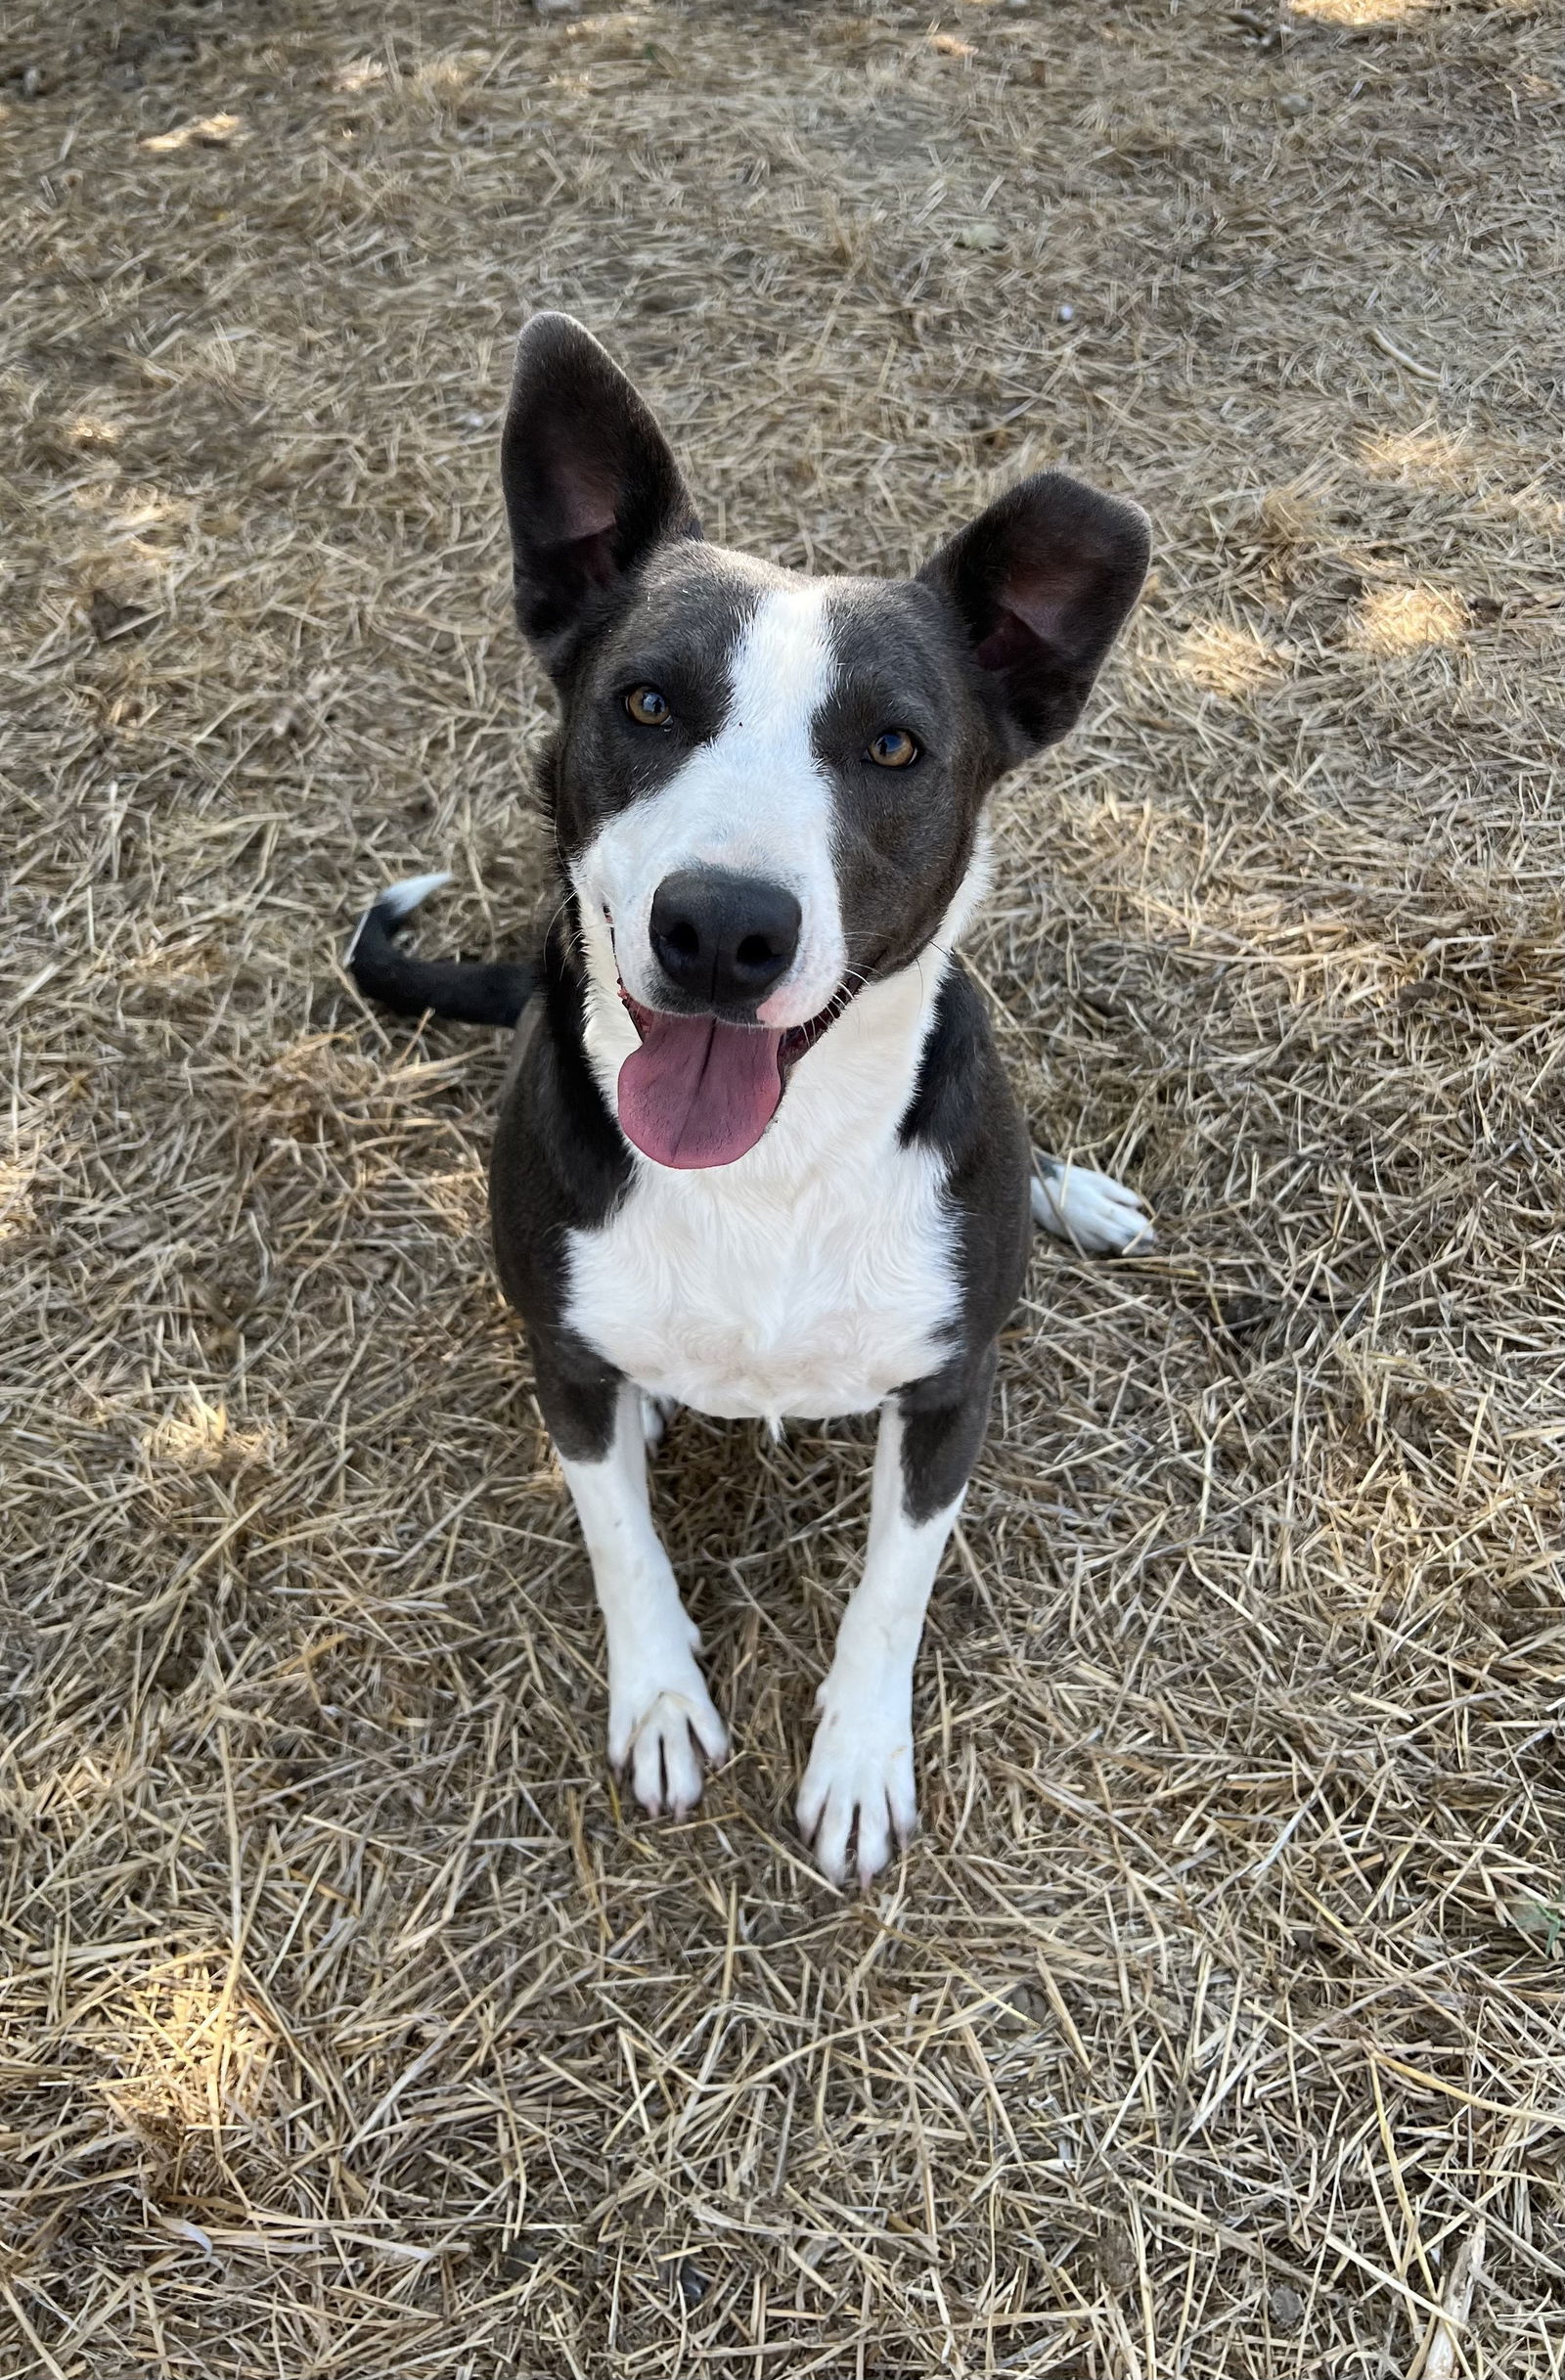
355,2029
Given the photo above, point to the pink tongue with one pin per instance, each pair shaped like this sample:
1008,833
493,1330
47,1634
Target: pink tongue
696,1092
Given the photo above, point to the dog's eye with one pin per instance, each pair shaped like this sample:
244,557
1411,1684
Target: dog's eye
647,707
894,750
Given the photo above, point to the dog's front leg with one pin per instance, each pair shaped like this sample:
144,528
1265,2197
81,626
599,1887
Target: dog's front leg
858,1785
659,1710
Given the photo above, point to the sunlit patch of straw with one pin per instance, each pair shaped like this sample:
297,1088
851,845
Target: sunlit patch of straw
1394,620
220,131
1224,660
203,1438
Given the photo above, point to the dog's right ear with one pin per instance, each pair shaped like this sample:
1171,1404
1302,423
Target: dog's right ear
590,482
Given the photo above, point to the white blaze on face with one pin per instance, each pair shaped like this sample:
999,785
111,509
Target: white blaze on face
755,801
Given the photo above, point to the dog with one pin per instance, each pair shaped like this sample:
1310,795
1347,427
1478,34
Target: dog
756,1153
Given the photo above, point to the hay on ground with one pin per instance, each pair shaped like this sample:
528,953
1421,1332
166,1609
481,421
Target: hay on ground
1212,2027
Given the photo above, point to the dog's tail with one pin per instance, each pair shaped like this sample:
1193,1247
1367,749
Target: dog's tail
469,991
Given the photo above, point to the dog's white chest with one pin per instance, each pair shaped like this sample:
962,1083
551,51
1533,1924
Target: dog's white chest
814,1276
753,1290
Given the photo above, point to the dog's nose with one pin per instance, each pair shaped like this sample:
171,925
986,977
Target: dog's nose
723,940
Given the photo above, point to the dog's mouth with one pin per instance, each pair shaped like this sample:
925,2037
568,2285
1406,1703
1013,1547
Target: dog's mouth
698,1092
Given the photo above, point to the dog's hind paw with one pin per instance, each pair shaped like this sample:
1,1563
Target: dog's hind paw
656,1415
1092,1211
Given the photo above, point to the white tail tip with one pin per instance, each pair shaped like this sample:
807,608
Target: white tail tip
404,898
398,901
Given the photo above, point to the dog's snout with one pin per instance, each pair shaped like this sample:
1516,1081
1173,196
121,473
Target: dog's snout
724,939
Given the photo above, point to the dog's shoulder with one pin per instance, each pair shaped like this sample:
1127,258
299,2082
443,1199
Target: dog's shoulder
560,1162
962,1095
963,1109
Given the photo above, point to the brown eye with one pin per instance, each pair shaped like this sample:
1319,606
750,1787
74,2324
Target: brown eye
647,707
895,749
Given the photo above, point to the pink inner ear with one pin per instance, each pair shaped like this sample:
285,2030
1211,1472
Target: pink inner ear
587,520
586,507
1009,640
1045,599
575,488
1026,619
1033,610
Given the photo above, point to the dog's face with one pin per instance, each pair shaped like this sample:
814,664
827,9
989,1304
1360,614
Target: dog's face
768,787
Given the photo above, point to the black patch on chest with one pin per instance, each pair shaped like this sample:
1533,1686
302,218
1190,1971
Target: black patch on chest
962,1107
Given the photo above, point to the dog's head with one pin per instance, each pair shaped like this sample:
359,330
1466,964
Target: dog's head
768,787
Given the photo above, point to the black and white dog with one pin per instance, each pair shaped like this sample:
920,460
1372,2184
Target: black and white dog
756,1152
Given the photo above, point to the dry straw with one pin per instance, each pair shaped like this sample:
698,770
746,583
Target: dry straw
1214,2026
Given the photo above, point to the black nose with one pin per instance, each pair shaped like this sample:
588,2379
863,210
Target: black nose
723,940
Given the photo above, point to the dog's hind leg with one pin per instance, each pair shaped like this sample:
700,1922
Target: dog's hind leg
656,1415
859,1786
1092,1211
661,1718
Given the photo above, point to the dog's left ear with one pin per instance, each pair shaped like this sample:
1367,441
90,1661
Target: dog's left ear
590,482
1041,584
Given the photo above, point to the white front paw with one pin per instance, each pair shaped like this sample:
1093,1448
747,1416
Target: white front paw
659,1711
859,1783
1093,1211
